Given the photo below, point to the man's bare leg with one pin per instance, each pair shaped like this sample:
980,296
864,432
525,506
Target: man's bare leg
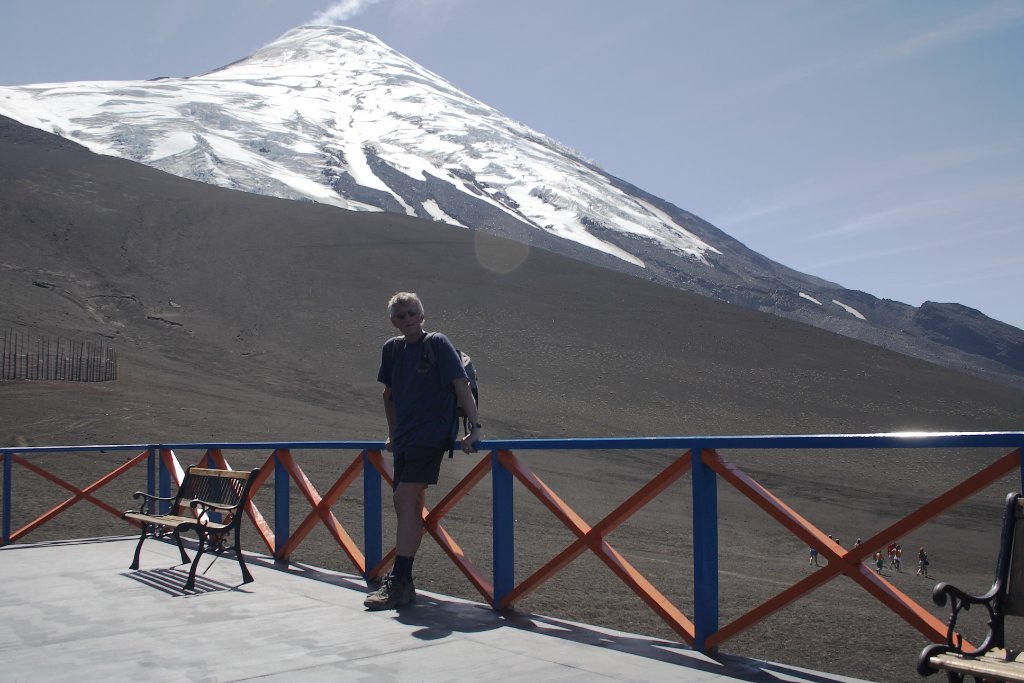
409,499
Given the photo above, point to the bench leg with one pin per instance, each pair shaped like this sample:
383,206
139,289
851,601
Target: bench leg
190,584
181,547
246,576
138,547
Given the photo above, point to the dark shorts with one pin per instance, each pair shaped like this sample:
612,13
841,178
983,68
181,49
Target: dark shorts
418,465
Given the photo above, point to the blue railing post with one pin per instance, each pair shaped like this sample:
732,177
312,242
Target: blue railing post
1021,468
151,463
373,530
282,507
164,485
503,521
705,550
6,530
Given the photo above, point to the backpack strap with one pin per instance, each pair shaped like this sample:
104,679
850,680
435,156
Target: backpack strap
428,349
397,346
430,353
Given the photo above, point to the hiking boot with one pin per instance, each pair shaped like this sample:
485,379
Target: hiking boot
393,592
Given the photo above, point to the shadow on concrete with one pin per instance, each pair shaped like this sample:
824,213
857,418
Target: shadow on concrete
170,581
440,618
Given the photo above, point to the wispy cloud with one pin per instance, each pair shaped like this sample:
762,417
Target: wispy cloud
884,252
780,203
342,10
989,18
891,218
996,187
956,205
941,277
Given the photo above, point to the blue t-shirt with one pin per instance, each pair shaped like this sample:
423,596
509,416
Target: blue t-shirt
424,397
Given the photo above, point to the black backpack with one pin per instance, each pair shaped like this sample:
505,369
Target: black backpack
430,358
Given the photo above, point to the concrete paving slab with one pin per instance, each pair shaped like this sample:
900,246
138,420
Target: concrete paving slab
72,611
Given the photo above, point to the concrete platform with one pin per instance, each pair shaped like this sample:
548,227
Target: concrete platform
72,611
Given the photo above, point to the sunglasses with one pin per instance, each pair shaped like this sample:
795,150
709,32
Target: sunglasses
407,314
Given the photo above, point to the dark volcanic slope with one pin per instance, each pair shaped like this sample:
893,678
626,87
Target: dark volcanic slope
238,317
242,287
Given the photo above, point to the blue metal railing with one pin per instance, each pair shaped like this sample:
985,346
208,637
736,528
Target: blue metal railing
704,481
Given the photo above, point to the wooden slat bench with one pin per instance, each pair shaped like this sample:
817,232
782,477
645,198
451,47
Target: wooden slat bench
991,660
204,495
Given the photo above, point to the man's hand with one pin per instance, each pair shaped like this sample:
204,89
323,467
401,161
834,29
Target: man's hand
469,441
389,415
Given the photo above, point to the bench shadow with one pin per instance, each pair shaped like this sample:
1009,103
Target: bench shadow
64,542
170,580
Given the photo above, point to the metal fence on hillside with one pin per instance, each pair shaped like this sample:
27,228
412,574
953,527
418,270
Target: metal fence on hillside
24,357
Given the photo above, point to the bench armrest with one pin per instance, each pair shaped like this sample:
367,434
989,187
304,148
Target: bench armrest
147,498
960,600
207,506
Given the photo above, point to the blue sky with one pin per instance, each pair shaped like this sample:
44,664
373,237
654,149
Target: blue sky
876,144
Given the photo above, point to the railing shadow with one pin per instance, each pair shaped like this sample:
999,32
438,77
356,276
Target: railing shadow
439,617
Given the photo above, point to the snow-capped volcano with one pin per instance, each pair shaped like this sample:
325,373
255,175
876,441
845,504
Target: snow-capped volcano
333,115
315,114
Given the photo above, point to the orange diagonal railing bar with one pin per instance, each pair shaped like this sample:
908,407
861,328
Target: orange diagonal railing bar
458,492
651,596
322,508
462,561
263,527
432,525
170,462
932,509
639,499
214,456
850,562
593,538
545,494
377,460
836,554
78,494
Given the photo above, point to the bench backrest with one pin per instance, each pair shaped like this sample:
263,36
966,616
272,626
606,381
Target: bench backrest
1013,601
221,487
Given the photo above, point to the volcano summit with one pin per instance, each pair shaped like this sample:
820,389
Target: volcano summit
334,116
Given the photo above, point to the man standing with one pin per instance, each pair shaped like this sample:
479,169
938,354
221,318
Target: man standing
421,387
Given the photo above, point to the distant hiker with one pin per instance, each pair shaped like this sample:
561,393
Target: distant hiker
421,389
922,563
813,559
892,555
899,556
878,561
